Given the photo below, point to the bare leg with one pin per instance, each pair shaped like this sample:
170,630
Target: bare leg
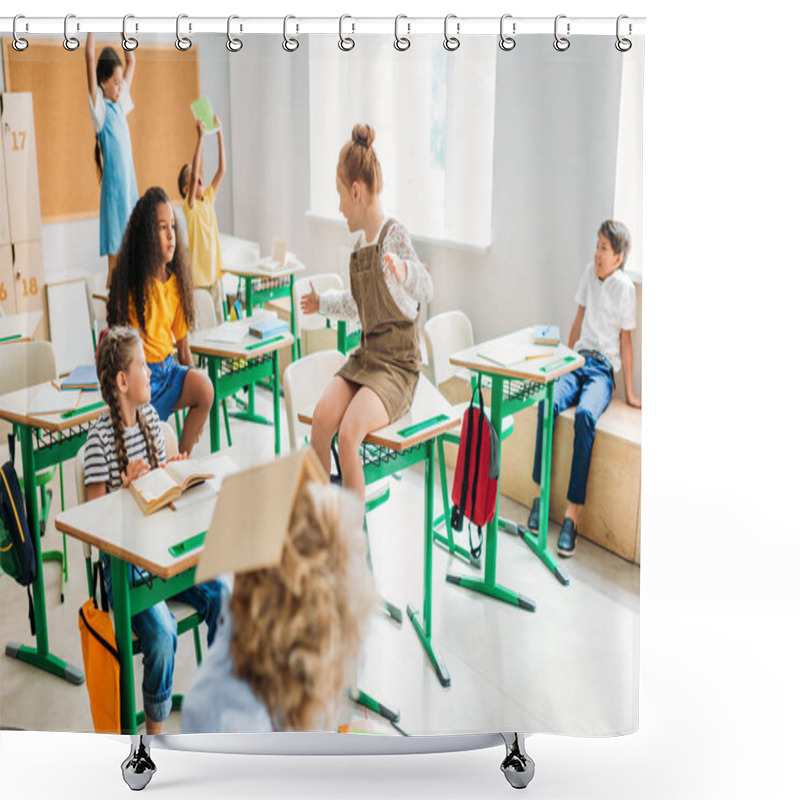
153,728
572,512
112,262
197,395
327,417
365,413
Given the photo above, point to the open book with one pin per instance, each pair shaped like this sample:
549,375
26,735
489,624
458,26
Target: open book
159,487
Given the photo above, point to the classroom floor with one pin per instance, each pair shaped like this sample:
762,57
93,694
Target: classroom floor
571,667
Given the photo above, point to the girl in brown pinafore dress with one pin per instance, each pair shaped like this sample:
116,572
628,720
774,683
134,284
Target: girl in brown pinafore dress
376,384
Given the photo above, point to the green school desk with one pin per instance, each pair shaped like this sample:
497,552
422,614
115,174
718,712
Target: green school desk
262,285
517,385
408,441
115,525
232,366
45,440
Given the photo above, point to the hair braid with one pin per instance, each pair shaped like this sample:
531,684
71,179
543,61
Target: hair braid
149,440
114,355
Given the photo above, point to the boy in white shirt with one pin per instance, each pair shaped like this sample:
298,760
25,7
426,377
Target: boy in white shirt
601,333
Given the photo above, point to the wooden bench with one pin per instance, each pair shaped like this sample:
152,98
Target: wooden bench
611,516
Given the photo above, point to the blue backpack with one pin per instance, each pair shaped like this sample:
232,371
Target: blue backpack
17,554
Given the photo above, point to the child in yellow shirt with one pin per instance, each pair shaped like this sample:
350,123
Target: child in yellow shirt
201,219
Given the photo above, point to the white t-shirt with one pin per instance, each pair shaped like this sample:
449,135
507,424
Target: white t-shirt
97,105
610,308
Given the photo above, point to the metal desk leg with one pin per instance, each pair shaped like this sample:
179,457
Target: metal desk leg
293,322
122,629
488,585
276,400
213,414
423,628
538,543
41,656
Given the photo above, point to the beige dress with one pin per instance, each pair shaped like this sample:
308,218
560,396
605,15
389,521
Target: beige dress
388,358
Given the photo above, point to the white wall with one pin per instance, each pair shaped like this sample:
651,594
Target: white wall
556,138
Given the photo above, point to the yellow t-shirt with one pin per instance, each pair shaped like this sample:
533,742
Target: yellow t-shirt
201,228
163,317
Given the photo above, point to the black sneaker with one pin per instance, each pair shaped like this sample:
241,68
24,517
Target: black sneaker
566,539
533,517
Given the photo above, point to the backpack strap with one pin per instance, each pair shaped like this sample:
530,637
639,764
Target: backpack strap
11,447
98,573
31,612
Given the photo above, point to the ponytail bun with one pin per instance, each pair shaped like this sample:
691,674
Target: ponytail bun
363,135
358,162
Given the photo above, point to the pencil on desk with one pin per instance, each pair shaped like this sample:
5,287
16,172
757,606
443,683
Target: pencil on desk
538,355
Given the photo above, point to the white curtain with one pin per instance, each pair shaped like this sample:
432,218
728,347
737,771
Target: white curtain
433,113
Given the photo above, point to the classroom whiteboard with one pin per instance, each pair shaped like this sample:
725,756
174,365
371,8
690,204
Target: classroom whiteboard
70,325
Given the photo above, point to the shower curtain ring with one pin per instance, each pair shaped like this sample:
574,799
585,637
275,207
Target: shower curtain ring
346,43
507,42
623,44
233,44
561,43
401,43
183,43
289,44
19,44
451,42
70,42
128,42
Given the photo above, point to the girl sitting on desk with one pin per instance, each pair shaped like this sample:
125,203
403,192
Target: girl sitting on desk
388,283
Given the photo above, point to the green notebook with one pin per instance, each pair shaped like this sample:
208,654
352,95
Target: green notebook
201,109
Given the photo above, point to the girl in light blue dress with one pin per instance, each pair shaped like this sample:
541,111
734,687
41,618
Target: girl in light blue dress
110,103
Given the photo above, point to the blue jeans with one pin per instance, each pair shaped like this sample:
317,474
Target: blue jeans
590,387
158,635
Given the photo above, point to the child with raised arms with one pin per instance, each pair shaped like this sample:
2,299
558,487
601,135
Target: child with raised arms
201,218
152,289
123,444
110,103
388,283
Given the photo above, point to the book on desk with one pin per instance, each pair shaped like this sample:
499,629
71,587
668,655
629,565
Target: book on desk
546,334
159,487
264,328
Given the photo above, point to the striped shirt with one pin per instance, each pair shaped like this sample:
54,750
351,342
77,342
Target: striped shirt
100,460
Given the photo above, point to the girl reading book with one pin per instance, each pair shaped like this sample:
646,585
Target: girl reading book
124,443
376,384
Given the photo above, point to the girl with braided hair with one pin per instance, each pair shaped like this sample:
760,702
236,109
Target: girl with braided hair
123,444
152,290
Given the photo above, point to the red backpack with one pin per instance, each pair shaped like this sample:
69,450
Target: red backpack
477,471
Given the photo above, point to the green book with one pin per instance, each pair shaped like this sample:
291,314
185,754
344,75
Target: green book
201,109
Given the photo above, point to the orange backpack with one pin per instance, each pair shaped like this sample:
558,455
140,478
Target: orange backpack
100,659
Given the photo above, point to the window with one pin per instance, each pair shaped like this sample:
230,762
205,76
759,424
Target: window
437,183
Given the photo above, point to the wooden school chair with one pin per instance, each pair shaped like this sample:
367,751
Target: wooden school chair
187,618
28,364
445,334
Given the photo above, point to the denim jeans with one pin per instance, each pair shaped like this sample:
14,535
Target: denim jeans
158,635
590,387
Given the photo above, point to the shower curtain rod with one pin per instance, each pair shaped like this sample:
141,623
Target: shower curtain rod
407,25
